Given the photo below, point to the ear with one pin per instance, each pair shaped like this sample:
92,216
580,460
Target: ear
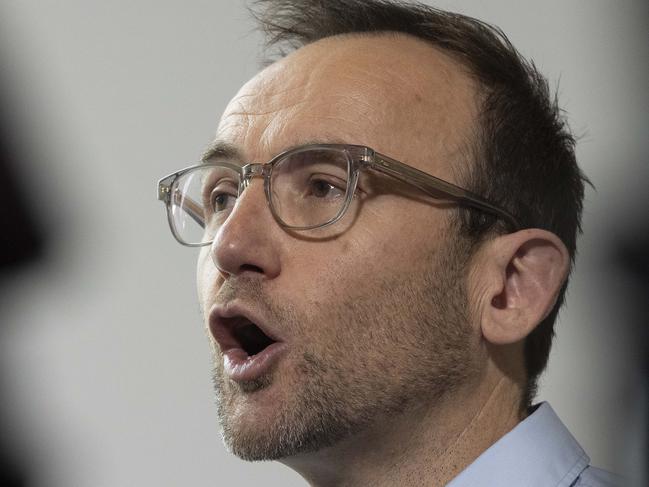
517,278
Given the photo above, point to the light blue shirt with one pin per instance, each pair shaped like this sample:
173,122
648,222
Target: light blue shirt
538,452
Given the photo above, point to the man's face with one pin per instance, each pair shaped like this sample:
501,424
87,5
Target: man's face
370,313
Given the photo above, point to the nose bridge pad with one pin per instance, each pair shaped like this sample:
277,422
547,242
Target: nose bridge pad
247,173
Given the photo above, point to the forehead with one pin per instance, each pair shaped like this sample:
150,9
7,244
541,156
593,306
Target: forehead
391,92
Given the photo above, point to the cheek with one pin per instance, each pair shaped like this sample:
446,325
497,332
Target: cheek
335,274
206,276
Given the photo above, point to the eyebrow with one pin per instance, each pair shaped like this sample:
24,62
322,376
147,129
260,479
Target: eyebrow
220,149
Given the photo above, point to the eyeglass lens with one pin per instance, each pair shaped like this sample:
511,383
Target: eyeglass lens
308,188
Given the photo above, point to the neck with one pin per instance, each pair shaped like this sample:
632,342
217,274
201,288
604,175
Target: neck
425,445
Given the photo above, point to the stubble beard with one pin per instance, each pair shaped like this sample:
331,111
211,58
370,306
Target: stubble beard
404,343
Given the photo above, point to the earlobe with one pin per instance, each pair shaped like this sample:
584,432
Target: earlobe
523,273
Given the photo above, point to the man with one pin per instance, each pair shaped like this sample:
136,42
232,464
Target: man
380,285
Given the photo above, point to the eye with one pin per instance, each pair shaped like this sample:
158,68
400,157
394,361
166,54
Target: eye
320,188
222,200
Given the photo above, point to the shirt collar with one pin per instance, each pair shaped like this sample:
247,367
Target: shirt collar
538,452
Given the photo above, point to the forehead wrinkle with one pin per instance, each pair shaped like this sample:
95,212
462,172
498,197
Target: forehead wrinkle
269,100
257,97
275,82
254,114
265,112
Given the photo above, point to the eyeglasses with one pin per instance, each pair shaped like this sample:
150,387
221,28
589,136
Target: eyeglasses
307,187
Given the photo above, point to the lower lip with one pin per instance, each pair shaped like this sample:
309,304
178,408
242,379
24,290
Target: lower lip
241,367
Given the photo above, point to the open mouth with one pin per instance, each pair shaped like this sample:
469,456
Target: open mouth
249,349
251,338
238,332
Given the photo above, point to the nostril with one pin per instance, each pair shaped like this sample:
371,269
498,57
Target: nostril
251,268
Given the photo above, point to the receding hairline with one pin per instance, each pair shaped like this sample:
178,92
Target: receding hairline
452,57
222,148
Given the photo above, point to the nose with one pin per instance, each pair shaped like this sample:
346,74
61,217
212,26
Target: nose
248,240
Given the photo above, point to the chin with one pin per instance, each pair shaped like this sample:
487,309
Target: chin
250,415
251,430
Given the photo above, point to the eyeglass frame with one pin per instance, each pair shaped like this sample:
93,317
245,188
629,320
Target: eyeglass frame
366,158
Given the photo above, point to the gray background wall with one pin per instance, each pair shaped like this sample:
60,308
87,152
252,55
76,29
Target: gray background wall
102,354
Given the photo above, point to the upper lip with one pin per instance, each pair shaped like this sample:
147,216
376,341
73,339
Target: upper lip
223,320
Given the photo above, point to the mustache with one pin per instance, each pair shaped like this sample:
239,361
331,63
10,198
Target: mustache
244,288
248,290
251,291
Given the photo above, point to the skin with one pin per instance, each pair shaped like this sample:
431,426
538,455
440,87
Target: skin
398,371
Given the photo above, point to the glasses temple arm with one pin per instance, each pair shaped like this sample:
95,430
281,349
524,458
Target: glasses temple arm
192,208
437,188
